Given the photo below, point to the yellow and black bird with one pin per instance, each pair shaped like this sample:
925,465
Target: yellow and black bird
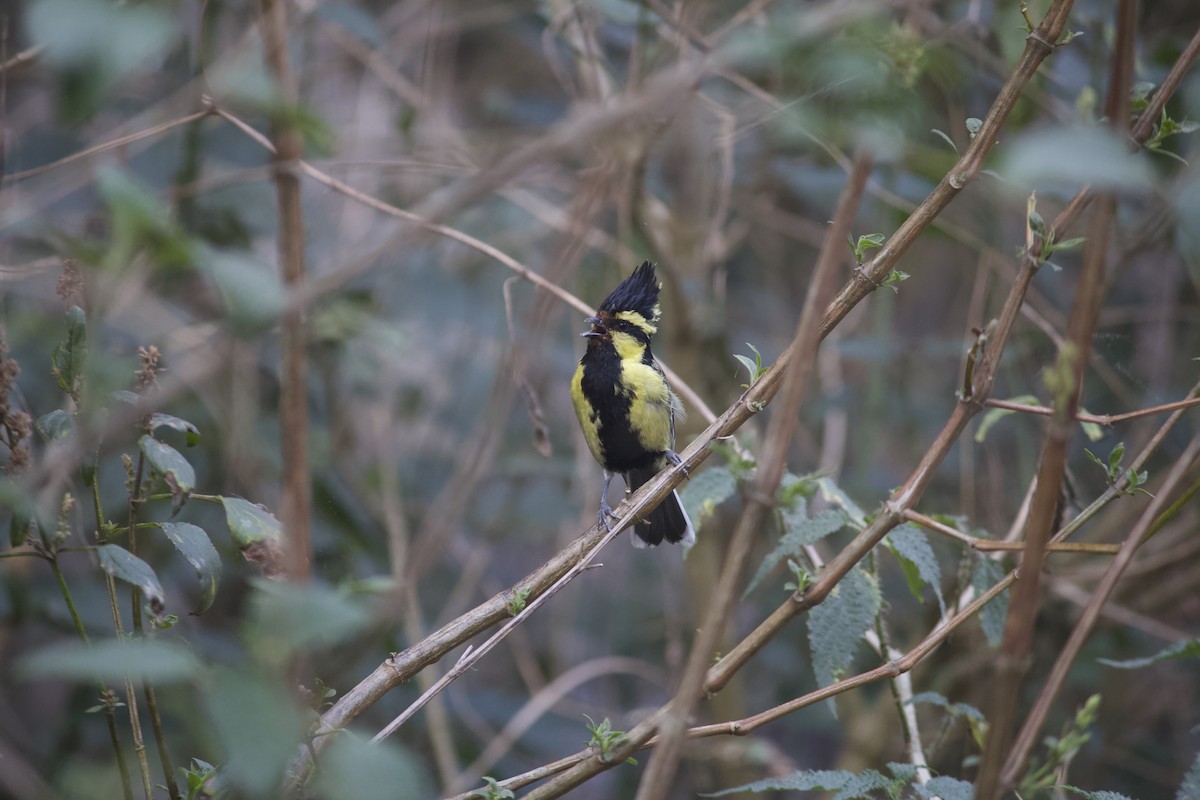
625,407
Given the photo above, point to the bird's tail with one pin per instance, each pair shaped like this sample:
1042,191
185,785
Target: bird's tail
666,521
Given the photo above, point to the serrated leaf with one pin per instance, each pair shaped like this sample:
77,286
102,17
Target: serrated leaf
994,415
911,547
111,660
1103,794
1190,788
194,545
848,785
58,424
171,464
946,788
836,626
124,565
1188,648
984,575
799,530
191,432
833,494
249,522
902,772
706,491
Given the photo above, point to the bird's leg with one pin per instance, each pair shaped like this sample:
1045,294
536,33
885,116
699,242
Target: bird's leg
606,512
676,461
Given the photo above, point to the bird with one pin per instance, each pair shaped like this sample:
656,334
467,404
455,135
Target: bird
625,407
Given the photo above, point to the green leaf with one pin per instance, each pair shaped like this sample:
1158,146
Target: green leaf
249,523
258,726
111,660
911,547
836,626
254,297
847,785
140,221
948,140
174,468
68,359
798,530
832,493
1100,795
191,432
124,565
984,575
109,37
946,788
747,363
195,546
58,424
354,767
23,509
286,618
704,492
1069,157
1188,648
994,415
956,709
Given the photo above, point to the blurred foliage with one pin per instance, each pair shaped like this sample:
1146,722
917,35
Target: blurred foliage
152,492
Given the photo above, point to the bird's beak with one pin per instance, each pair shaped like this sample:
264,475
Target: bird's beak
598,328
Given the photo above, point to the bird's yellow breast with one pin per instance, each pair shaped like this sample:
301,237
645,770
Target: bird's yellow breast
650,404
589,419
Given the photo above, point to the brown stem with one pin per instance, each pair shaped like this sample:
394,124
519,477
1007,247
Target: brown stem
295,504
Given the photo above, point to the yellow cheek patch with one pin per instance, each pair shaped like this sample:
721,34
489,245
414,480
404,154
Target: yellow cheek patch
627,346
634,318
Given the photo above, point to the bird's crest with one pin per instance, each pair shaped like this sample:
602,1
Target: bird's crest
636,299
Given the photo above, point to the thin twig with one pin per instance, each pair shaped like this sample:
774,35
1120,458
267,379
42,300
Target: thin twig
1099,419
991,545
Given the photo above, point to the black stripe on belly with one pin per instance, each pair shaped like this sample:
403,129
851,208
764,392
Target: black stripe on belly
601,376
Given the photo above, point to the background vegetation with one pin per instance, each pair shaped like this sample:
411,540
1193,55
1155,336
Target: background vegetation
265,422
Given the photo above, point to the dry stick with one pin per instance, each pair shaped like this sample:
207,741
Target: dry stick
1099,419
1014,766
660,775
1013,659
295,503
739,727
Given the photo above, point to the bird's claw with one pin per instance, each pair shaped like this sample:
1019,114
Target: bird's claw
605,514
676,461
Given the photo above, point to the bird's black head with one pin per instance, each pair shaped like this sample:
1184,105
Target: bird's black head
634,297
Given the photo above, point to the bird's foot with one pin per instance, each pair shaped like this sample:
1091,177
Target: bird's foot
605,514
676,461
